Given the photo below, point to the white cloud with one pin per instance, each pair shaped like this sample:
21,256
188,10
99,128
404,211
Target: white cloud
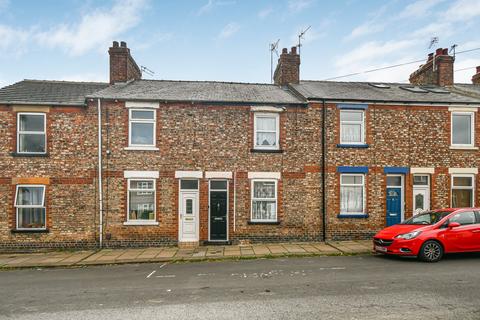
211,4
418,9
469,65
13,41
89,77
262,14
462,10
299,5
95,28
364,29
229,30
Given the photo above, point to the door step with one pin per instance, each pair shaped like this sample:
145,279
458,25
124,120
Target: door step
184,245
217,243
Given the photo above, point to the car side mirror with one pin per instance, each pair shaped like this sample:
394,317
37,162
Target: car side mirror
453,225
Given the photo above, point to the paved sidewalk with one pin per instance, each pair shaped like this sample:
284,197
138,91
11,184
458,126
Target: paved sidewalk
166,254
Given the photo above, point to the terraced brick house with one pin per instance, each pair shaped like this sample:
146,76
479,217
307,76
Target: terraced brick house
196,162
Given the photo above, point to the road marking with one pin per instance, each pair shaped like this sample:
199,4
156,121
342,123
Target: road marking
151,273
167,276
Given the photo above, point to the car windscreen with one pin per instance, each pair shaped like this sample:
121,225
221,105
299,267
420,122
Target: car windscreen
430,217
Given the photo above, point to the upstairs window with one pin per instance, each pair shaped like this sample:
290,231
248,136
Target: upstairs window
352,127
462,129
31,133
266,131
352,194
142,125
30,207
264,200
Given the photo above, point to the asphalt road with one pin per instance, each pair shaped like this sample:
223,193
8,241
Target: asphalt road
355,287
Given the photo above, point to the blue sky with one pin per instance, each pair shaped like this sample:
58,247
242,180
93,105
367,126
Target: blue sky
228,40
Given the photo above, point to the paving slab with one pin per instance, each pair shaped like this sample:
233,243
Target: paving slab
277,249
294,248
260,250
325,248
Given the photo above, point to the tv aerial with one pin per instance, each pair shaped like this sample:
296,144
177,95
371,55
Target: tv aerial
300,37
273,48
147,71
433,41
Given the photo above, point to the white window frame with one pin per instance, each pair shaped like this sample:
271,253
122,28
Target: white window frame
252,198
472,128
154,189
361,123
277,131
452,187
130,121
362,175
30,206
44,133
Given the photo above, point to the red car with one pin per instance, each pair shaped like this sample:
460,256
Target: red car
429,235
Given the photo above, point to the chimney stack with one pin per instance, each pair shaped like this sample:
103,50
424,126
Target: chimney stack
288,67
438,70
123,67
476,77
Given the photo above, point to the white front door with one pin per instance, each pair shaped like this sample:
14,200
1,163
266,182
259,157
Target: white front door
421,199
188,216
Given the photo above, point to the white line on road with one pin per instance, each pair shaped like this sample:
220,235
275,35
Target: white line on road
151,273
167,276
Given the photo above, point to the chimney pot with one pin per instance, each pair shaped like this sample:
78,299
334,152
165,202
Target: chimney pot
115,44
294,50
478,69
439,52
123,44
445,52
284,50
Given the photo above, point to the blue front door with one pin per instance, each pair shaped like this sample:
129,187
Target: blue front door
394,206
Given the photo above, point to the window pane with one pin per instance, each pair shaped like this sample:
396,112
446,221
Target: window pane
351,199
30,196
147,115
189,184
462,181
419,201
349,179
394,181
461,198
31,143
189,206
142,133
268,124
351,116
137,184
461,129
351,133
31,122
420,180
142,205
222,185
464,218
266,139
264,190
264,210
31,217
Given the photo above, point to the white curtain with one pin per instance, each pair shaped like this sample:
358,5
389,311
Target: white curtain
351,133
266,139
351,199
32,196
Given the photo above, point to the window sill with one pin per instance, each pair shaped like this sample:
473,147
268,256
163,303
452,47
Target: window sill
29,231
352,216
142,148
140,223
360,145
255,150
264,222
30,155
463,148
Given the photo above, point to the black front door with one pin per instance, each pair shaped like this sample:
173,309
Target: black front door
218,215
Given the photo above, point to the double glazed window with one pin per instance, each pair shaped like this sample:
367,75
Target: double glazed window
352,194
463,129
141,200
142,128
264,200
352,127
266,131
31,133
30,207
462,191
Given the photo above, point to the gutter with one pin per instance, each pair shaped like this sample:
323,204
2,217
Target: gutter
100,187
324,162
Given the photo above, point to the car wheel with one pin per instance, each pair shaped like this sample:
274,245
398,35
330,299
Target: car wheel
431,251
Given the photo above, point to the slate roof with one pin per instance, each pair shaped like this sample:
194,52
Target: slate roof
364,91
469,89
48,92
199,91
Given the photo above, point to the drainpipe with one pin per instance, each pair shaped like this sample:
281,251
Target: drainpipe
234,201
324,170
100,188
